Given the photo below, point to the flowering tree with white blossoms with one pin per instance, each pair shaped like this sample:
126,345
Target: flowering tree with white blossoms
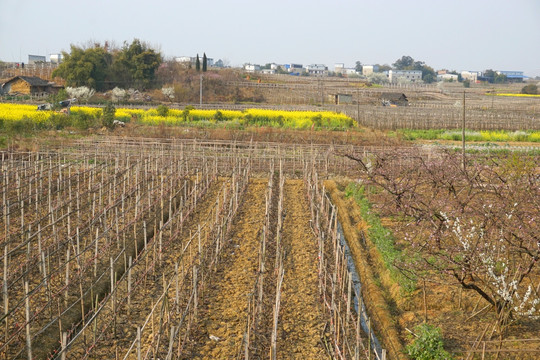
81,93
168,92
118,94
482,222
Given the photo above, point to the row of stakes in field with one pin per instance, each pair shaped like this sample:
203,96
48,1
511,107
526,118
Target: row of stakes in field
77,201
352,335
80,242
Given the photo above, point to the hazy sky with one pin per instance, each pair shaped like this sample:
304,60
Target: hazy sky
457,34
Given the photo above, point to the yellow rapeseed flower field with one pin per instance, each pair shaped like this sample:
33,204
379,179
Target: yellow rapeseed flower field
249,117
519,95
18,112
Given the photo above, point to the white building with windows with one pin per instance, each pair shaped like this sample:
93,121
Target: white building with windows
471,75
251,68
410,75
316,69
369,69
56,58
447,77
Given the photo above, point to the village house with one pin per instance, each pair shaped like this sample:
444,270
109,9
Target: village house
369,69
316,69
410,75
340,99
396,99
447,77
29,85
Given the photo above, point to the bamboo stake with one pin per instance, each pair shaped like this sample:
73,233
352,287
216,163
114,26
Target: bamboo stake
27,313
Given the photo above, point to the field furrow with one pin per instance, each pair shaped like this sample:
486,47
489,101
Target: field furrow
222,316
301,323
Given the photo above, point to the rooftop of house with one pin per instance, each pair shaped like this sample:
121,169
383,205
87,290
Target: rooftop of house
32,80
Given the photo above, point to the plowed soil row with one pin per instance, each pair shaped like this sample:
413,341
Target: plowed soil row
301,323
224,310
223,314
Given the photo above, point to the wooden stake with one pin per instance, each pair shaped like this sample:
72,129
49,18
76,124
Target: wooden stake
27,313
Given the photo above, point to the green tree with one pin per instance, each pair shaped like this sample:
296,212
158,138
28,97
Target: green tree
135,65
358,67
408,63
162,110
204,63
55,99
405,63
198,63
500,79
383,68
108,116
85,67
489,75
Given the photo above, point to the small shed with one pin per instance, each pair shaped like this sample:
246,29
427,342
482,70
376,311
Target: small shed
27,85
341,98
398,99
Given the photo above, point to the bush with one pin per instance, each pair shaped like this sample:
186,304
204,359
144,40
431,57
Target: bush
317,120
82,121
218,116
428,345
162,110
467,83
530,89
108,116
58,121
20,127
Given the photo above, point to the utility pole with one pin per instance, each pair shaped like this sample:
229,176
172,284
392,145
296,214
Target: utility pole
200,91
358,106
322,90
463,134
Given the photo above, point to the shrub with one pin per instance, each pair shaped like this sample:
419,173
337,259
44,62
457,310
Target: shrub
108,116
428,345
82,120
530,89
162,110
23,126
58,121
317,120
218,116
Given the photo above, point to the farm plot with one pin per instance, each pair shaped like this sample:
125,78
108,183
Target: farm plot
455,245
151,252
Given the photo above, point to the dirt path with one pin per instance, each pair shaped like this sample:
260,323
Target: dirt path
300,320
223,313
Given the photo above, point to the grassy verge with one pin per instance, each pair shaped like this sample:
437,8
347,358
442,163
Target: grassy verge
470,135
382,237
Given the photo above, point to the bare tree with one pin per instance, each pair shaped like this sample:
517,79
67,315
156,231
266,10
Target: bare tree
481,222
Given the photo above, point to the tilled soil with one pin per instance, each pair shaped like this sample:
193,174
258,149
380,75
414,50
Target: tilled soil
223,313
301,324
143,299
